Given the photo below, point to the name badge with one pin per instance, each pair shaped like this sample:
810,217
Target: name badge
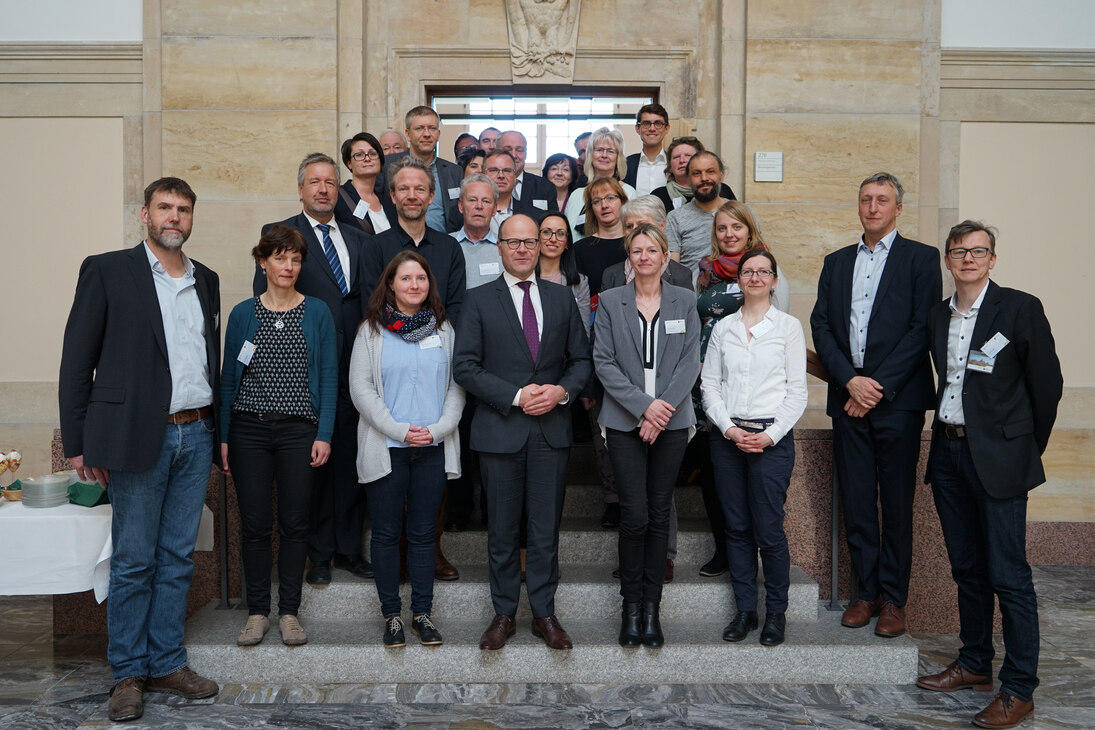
361,210
996,343
246,352
490,269
454,193
541,204
733,288
427,343
580,220
760,328
674,326
677,203
980,362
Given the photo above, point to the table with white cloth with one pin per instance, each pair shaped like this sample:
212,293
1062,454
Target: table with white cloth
63,549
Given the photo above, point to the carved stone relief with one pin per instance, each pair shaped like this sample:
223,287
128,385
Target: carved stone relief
543,35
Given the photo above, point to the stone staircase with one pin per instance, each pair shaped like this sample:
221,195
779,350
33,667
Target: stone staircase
345,627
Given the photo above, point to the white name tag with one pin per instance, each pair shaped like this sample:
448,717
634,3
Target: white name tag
674,326
361,210
980,362
677,202
580,220
490,269
996,343
430,342
760,328
246,352
541,204
454,193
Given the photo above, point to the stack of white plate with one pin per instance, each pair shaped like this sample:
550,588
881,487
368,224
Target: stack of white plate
50,490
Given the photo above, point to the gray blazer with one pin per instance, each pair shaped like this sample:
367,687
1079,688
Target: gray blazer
617,357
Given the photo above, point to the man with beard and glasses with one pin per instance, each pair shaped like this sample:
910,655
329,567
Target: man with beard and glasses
137,392
688,228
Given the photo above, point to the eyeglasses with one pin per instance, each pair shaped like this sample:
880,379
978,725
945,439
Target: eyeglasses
958,254
759,273
604,150
515,243
657,124
370,155
606,199
433,129
561,235
496,170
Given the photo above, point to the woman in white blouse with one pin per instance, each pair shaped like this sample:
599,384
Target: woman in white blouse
754,390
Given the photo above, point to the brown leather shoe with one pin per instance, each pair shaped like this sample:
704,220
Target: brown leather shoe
551,631
1004,711
184,683
127,699
501,628
891,621
954,678
859,614
443,569
668,571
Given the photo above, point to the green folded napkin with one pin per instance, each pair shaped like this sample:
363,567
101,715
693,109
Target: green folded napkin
17,484
87,495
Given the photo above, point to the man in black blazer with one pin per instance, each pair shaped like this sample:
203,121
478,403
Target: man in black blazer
870,332
137,392
651,124
999,385
534,192
522,351
333,273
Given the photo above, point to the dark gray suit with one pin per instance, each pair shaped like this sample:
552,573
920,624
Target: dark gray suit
523,457
536,188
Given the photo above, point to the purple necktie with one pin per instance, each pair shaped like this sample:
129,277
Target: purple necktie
528,321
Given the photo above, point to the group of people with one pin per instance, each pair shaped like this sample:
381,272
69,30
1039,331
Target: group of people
426,314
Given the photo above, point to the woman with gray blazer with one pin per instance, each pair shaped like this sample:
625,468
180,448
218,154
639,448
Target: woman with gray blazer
407,438
646,354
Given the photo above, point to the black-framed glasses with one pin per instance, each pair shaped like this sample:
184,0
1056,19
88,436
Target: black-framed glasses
978,252
656,124
515,243
759,273
370,155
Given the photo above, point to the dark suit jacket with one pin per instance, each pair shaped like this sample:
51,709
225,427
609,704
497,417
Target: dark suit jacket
633,174
1009,412
676,274
534,187
344,212
492,362
897,335
318,280
451,175
114,386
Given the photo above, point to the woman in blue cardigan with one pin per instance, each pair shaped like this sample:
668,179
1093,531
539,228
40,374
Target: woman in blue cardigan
279,384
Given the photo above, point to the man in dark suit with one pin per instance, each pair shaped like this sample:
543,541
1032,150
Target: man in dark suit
333,275
534,191
999,385
137,392
646,169
423,133
522,351
870,332
500,167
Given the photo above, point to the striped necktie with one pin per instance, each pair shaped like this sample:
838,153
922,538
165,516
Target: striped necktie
332,258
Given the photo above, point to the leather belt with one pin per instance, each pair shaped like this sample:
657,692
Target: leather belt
952,432
190,415
760,425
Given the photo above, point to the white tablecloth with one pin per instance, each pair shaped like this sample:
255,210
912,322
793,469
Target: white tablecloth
63,549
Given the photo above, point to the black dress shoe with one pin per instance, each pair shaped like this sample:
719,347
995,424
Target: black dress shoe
355,564
775,624
652,626
717,565
319,574
740,626
611,516
631,626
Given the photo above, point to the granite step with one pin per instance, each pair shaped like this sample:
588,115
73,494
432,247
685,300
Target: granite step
350,651
585,499
585,592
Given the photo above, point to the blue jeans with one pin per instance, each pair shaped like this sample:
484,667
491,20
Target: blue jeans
986,542
416,484
154,528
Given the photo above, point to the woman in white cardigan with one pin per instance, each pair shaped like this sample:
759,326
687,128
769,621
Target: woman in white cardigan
407,438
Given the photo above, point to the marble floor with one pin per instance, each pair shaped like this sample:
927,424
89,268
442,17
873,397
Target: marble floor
62,682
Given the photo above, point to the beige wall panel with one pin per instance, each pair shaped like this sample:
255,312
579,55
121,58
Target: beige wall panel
801,235
425,23
1048,167
42,263
244,155
834,19
250,73
833,76
826,156
1028,105
267,18
69,100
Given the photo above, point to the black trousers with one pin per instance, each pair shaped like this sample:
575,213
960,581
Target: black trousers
876,464
645,477
338,501
260,454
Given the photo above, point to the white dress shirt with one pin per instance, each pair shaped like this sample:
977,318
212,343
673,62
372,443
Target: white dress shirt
757,378
869,266
336,239
651,174
959,332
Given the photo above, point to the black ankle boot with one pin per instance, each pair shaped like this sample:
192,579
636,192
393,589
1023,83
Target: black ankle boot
742,623
774,626
652,625
631,626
